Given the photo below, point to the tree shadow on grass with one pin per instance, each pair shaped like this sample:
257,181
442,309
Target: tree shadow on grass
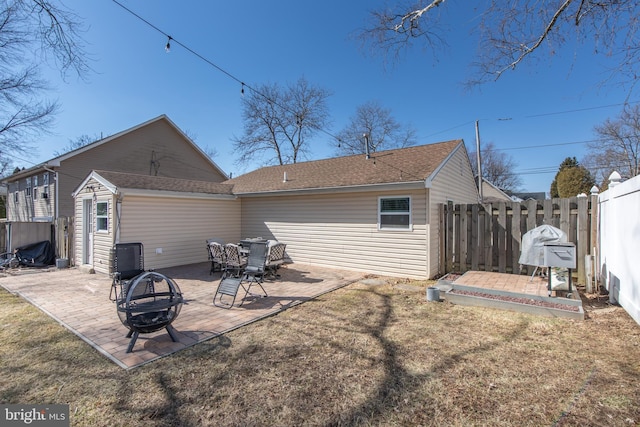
397,383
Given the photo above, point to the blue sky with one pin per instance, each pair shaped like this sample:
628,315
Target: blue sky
553,103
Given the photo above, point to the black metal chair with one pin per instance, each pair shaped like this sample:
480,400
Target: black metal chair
251,273
275,258
217,256
228,289
127,262
256,266
234,262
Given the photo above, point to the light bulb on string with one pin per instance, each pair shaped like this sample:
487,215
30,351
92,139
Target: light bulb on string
167,47
242,88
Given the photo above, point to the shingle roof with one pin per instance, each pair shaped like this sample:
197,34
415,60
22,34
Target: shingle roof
385,167
160,183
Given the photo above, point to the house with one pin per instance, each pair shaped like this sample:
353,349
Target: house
157,147
491,193
171,217
540,195
376,214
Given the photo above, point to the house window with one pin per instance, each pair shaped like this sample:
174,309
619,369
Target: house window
28,187
394,213
45,186
16,197
102,216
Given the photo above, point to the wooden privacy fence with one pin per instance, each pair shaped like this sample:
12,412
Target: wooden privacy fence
64,238
488,237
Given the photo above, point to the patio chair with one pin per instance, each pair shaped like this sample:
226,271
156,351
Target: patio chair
235,263
127,262
228,289
251,273
256,265
216,256
275,258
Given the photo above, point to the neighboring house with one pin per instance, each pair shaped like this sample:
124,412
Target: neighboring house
171,217
492,194
157,147
541,195
377,215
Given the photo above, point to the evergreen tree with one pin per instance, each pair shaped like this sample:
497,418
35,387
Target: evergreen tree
571,179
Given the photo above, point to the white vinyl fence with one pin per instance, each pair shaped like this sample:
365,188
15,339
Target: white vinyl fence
619,231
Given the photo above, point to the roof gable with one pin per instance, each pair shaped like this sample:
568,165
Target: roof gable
56,161
124,182
403,165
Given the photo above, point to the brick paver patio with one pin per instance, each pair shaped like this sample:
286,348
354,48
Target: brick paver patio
80,302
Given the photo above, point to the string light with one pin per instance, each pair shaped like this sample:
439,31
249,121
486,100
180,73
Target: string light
242,88
223,71
167,48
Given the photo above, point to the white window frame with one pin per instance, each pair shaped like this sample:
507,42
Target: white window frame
28,187
100,217
384,227
45,186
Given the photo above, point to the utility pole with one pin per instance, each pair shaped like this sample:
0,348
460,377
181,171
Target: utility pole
479,161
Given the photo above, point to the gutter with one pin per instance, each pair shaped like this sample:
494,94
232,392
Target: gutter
413,185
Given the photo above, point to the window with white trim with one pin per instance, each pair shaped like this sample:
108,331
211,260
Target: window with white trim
102,216
28,187
394,213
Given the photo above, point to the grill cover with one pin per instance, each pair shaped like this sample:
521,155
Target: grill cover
533,243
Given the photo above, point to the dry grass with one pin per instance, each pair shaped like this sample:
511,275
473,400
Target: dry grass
363,355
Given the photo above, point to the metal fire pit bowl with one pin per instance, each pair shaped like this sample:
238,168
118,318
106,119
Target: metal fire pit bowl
152,302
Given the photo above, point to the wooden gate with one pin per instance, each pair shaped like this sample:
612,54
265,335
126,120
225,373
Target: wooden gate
488,237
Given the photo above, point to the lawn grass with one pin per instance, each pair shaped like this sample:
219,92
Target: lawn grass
369,355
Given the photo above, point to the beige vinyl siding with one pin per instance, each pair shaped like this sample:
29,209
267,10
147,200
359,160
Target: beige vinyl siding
179,226
134,152
489,191
27,207
21,210
453,182
341,230
102,241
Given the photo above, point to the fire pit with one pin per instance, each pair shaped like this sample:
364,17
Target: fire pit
152,301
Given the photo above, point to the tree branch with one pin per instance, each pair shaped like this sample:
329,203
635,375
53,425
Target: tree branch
526,51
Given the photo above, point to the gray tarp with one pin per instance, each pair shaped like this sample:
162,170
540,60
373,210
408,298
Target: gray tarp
533,244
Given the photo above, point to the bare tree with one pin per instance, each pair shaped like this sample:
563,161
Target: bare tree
497,168
617,147
382,130
33,32
74,144
511,32
278,122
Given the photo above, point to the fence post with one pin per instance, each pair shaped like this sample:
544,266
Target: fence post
464,241
516,236
583,244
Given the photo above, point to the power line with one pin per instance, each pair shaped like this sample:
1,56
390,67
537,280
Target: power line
171,39
548,145
580,110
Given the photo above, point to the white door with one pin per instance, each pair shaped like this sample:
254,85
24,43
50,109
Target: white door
87,231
